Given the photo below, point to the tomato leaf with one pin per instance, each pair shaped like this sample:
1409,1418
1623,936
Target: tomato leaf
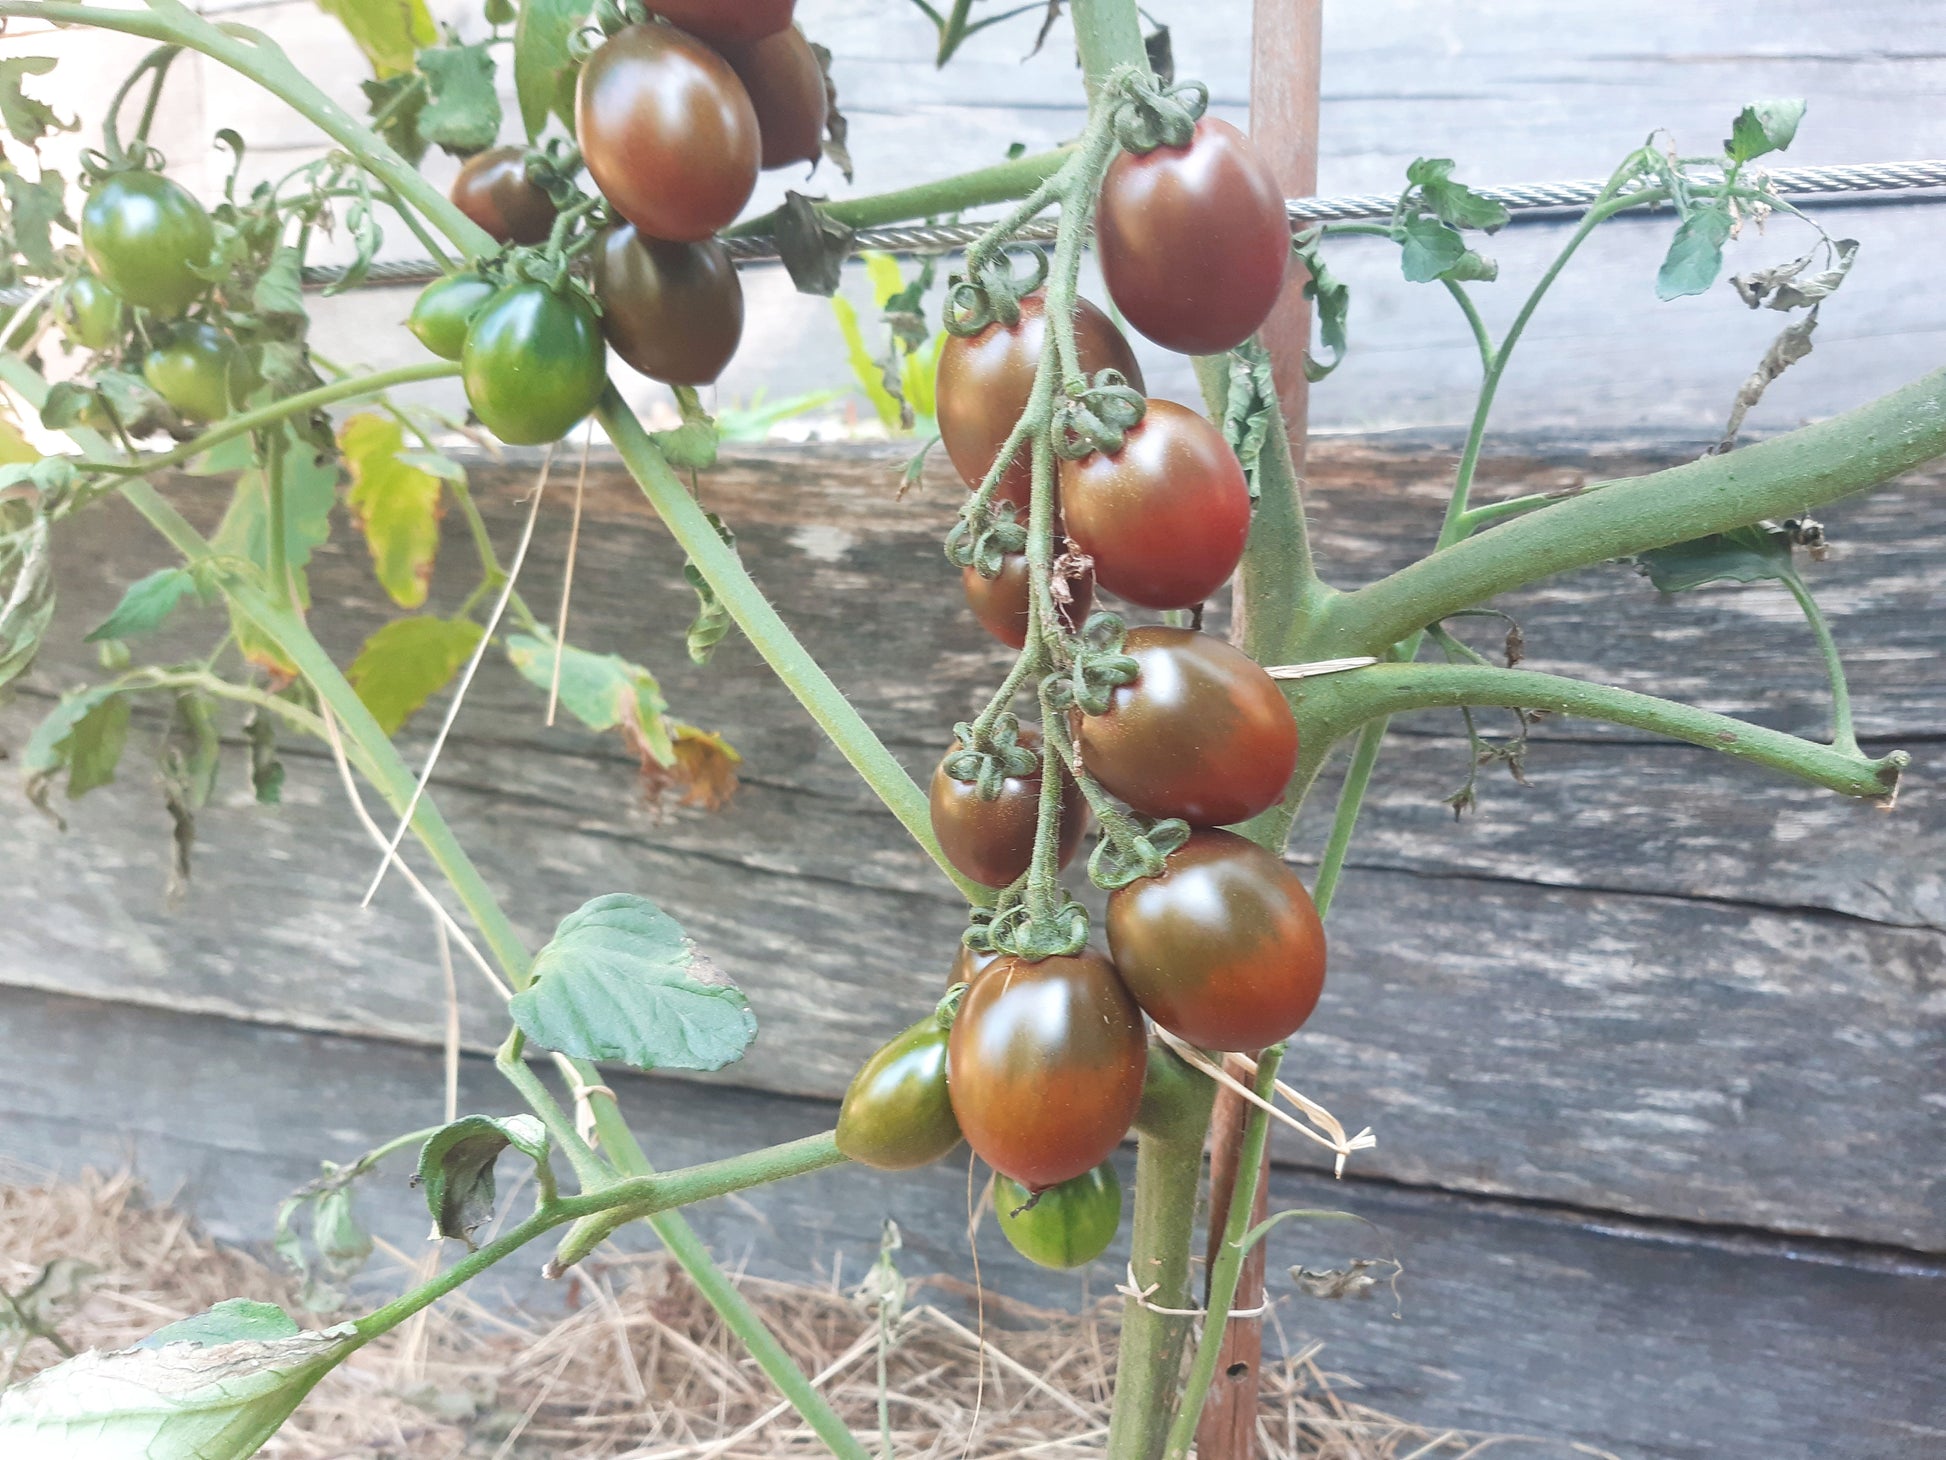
310,481
145,605
1761,553
234,1320
279,293
1787,286
1792,344
1695,254
1453,202
26,588
389,32
407,662
543,69
462,112
812,244
33,209
83,735
1430,249
266,770
837,129
712,621
1331,295
396,505
398,101
456,1168
28,118
619,981
602,691
1763,126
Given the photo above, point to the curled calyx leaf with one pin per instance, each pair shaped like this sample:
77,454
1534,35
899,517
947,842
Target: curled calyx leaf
1098,670
1119,860
617,15
1099,417
990,291
986,764
1150,115
1060,933
984,535
552,167
947,1009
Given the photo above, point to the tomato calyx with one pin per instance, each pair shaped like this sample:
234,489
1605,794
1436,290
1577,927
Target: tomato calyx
1140,849
1097,417
1099,667
984,762
990,291
1150,115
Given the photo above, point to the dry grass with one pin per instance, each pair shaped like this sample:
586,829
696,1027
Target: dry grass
642,1369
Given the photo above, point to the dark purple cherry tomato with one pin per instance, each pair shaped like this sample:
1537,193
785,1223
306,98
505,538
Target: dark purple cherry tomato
1066,1225
493,190
728,22
786,86
1194,240
897,1112
673,311
967,963
1165,518
993,841
1045,1066
986,378
1224,947
1000,602
1201,732
668,132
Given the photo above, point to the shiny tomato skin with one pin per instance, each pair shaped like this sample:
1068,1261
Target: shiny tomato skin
993,841
668,132
91,313
198,370
728,22
493,190
1201,732
897,1113
967,965
673,311
444,309
1224,948
1070,1225
1000,603
143,235
986,378
1045,1066
786,86
1194,240
1166,517
533,364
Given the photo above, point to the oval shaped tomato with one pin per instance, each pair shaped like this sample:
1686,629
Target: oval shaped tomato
1201,732
1166,517
444,309
1066,1225
91,313
1194,240
897,1113
786,86
1224,947
1045,1066
533,363
668,132
728,22
967,963
673,311
198,370
144,235
1000,602
992,841
494,191
985,380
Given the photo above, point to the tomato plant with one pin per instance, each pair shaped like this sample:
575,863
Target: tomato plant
445,308
144,236
533,363
493,189
1062,1226
897,1113
673,311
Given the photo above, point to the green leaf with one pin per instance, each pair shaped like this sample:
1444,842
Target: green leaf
33,208
1763,126
1453,202
145,605
456,1168
310,480
389,32
28,118
543,70
280,291
397,102
407,662
602,691
462,112
1695,254
396,506
83,735
190,1400
26,587
619,981
266,770
1430,249
1333,299
1747,555
234,1320
712,621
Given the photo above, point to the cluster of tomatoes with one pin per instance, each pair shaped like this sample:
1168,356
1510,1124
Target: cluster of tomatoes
674,118
1041,1066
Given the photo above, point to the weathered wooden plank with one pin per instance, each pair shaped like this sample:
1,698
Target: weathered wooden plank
1649,1342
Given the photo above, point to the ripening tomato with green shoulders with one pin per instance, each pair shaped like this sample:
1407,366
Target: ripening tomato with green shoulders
445,308
897,1113
1201,732
667,131
493,189
1066,1225
991,839
673,311
534,363
1045,1066
144,236
1223,947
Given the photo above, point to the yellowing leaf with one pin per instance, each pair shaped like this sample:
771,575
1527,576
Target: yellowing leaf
389,32
705,772
603,692
868,372
407,662
883,270
397,505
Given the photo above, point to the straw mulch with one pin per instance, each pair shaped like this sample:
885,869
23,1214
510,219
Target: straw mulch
642,1369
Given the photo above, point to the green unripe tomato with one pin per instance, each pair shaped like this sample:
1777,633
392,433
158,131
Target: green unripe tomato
144,235
197,371
1071,1224
444,309
91,313
534,363
897,1113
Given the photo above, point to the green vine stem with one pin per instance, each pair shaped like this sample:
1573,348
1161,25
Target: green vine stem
1001,183
1843,738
